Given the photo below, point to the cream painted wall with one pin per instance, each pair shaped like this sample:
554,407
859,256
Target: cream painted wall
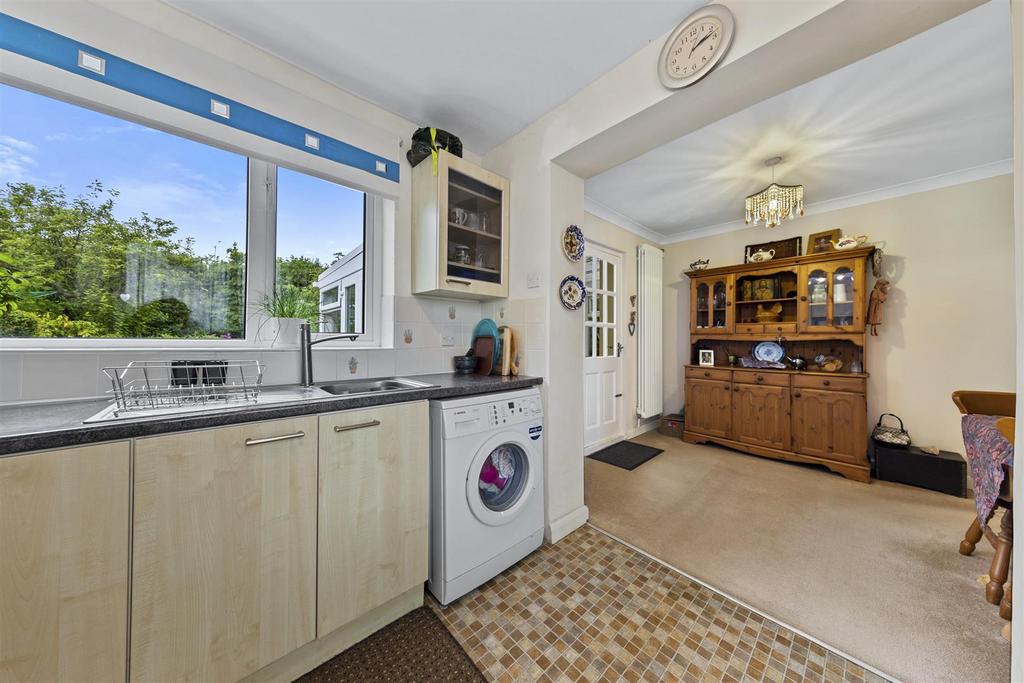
949,320
611,236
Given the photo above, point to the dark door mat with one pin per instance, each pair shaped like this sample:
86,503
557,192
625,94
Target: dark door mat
626,454
417,647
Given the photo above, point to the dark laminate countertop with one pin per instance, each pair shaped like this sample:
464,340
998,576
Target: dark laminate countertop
56,425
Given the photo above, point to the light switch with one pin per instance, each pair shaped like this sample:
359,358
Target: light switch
382,167
533,279
312,141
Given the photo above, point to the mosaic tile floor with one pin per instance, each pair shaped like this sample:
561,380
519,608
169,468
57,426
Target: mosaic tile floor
592,609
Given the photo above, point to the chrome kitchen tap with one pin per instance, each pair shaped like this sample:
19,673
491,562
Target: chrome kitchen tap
306,348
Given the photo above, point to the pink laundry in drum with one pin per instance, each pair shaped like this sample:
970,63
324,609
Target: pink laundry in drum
489,474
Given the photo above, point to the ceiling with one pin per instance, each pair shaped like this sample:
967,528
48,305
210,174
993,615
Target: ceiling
938,103
482,70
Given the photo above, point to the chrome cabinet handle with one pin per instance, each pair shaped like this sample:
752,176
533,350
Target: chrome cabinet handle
457,281
272,439
361,425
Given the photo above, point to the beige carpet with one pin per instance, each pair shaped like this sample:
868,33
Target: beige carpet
872,570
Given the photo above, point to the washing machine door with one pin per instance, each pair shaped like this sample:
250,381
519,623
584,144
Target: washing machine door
502,477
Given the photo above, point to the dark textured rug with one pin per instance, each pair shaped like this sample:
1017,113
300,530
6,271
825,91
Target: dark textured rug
417,647
626,454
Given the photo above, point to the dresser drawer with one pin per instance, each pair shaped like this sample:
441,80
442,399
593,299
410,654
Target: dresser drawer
771,379
854,384
749,328
780,328
697,372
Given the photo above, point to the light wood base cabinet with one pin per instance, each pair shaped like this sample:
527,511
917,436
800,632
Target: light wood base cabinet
374,512
64,530
224,550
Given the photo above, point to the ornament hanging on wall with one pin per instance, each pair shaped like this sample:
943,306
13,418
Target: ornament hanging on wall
573,243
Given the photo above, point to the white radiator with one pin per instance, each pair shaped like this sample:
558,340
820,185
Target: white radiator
649,335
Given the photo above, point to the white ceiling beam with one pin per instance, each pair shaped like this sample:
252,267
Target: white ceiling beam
841,35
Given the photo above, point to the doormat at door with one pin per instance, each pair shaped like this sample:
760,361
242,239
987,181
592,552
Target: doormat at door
626,454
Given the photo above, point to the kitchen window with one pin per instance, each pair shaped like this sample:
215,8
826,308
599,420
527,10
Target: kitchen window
110,229
116,234
321,228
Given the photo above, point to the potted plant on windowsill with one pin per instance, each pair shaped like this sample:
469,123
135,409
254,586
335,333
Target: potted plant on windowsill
283,310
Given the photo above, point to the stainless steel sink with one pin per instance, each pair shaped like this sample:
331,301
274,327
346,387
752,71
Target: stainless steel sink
370,386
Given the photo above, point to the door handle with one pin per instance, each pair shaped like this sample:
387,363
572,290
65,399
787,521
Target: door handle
360,425
618,395
272,439
618,348
457,281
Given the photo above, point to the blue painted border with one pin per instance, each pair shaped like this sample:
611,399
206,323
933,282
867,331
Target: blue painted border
56,50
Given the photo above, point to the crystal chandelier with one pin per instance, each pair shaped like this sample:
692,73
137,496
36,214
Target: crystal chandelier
775,202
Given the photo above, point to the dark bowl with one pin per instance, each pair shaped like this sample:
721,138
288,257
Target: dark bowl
465,365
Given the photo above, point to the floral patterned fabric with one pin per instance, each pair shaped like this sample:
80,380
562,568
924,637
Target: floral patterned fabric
987,452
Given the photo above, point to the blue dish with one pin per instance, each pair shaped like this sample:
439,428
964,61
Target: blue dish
768,351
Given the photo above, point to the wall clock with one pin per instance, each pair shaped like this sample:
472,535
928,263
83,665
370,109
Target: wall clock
696,46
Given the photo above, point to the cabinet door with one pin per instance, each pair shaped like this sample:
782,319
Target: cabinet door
708,407
830,424
374,514
473,217
711,305
760,415
224,550
64,531
832,296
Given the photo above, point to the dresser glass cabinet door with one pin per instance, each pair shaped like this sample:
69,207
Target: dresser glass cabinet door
712,306
831,297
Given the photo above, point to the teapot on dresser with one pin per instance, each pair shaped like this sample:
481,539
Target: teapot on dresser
762,255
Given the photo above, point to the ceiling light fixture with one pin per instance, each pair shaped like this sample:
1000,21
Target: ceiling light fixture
775,202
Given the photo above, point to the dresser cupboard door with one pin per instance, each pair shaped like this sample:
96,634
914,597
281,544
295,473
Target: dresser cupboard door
830,424
224,550
760,415
708,407
374,512
64,531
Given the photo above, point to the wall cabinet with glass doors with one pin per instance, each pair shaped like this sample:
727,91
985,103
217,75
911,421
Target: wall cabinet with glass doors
459,230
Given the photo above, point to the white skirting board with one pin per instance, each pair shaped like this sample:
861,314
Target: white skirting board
565,525
649,330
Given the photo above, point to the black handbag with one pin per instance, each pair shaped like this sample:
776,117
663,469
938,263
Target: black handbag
890,436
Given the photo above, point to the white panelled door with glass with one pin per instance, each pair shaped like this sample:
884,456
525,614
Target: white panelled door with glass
602,362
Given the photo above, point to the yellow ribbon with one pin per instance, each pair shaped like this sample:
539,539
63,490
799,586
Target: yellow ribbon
433,148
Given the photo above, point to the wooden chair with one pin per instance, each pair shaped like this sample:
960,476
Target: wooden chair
1003,404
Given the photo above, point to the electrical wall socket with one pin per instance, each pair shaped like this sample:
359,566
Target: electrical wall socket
447,340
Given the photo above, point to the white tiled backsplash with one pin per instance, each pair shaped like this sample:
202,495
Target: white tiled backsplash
48,375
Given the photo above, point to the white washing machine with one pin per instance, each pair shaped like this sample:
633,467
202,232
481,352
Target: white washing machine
487,488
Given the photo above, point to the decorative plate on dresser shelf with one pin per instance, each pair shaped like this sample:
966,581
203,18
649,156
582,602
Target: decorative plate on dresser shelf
768,351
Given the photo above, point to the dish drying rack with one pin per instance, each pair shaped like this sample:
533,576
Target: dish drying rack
149,385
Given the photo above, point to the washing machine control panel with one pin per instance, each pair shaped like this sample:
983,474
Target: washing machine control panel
509,409
512,410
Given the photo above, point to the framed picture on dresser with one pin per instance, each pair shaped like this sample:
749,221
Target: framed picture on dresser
705,357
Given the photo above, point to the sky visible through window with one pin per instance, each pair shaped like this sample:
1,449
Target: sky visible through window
200,188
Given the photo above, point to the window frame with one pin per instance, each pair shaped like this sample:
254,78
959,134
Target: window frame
261,228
